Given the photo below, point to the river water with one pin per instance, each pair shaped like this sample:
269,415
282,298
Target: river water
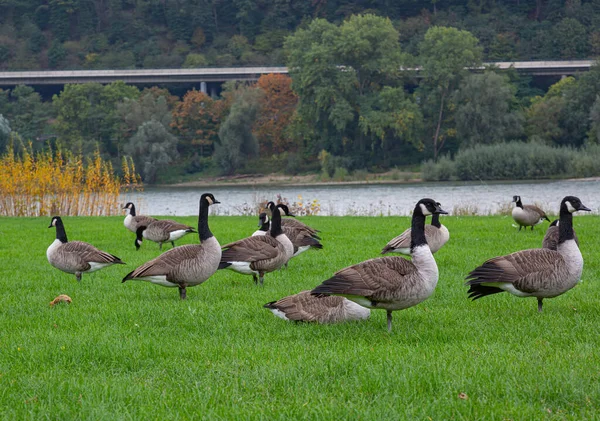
480,198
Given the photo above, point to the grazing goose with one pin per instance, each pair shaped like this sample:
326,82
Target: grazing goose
161,232
527,215
76,256
132,221
391,283
436,234
259,254
540,273
305,307
299,237
188,265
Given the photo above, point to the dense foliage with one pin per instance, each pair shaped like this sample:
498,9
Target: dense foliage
93,34
351,103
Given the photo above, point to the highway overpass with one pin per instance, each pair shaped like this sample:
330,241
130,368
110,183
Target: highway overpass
207,75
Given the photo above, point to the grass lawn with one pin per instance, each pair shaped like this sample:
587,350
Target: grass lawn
135,351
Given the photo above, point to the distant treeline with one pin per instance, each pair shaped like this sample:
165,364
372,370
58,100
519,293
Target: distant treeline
347,105
95,34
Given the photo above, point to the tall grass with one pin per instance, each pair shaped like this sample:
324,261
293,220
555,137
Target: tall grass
56,182
515,161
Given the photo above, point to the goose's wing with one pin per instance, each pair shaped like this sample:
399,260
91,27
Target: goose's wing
300,225
300,238
398,242
309,308
169,225
251,249
380,279
550,240
166,262
143,220
537,210
88,253
526,270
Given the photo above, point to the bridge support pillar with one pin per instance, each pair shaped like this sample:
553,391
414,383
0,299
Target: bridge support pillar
203,87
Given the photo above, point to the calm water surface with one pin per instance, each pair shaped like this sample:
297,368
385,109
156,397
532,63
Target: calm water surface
368,199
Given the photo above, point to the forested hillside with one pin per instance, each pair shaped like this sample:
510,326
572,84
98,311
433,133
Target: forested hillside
350,104
97,34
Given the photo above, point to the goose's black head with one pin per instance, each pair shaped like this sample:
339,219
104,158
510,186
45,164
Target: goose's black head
209,198
430,207
517,201
554,223
271,206
573,204
129,207
55,221
263,219
285,209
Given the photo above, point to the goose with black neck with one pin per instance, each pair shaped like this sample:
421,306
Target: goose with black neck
391,283
540,273
188,265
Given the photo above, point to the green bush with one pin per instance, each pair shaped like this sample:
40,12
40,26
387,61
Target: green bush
515,161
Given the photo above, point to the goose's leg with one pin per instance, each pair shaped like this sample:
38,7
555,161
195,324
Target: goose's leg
540,304
160,246
520,226
182,292
532,228
255,278
173,244
78,276
389,320
261,276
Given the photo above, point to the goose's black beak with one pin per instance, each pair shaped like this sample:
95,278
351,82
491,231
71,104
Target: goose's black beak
441,211
50,226
216,202
583,208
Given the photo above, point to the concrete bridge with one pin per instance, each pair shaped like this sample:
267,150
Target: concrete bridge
206,75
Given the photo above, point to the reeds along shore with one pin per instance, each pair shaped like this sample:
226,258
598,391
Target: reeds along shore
61,183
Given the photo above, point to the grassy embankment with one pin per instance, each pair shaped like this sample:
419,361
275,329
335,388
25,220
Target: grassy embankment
135,351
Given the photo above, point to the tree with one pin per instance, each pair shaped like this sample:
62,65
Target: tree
147,107
152,148
484,111
196,121
545,117
29,115
237,142
4,133
445,55
277,109
339,75
87,115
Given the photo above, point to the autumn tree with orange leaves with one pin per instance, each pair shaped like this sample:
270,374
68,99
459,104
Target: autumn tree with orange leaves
277,109
196,121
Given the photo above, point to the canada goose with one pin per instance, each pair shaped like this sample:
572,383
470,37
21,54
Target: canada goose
188,265
161,231
527,215
132,221
436,234
391,283
299,237
305,307
76,256
540,273
259,254
551,238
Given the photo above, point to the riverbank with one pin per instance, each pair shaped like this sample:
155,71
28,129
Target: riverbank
389,177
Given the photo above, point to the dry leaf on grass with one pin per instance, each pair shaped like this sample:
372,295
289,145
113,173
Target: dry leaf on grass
61,299
463,395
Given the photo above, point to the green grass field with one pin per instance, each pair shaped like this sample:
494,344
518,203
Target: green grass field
136,351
